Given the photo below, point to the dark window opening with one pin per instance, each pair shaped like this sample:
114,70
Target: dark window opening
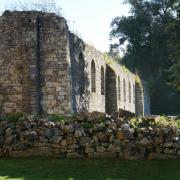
102,81
93,76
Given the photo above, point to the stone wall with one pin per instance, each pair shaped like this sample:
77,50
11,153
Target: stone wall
113,98
17,59
89,135
45,69
34,63
54,62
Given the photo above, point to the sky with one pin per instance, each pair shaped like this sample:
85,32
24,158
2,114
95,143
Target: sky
90,19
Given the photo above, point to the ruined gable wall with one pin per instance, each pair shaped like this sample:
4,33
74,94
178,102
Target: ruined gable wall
46,69
55,77
17,56
34,66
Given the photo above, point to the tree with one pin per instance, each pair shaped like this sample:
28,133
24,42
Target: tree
174,45
145,32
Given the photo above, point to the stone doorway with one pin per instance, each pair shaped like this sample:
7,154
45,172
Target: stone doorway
111,91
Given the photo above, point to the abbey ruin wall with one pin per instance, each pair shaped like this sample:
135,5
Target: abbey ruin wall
114,87
44,68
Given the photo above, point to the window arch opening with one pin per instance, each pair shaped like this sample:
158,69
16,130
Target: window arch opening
93,76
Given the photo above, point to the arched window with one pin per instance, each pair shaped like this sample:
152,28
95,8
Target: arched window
93,76
129,92
119,89
81,78
102,81
124,89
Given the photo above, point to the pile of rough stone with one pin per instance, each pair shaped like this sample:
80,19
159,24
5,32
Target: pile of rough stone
88,135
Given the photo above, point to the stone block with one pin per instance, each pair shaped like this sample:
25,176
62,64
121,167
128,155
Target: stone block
74,155
169,151
157,156
120,135
102,155
32,152
89,150
100,149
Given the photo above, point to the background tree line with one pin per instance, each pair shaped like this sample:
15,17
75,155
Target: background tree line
152,35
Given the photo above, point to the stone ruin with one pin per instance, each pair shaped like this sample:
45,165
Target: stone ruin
44,68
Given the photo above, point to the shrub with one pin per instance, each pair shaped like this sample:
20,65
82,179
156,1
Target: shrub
87,125
163,121
14,117
56,117
61,118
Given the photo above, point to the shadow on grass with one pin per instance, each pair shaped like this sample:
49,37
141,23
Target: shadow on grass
41,168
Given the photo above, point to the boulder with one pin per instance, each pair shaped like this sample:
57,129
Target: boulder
55,139
103,155
128,134
63,142
114,148
144,142
120,134
73,146
169,151
70,140
32,152
158,140
85,141
168,144
78,133
134,153
89,150
29,135
49,133
100,149
158,156
68,129
56,146
74,155
102,137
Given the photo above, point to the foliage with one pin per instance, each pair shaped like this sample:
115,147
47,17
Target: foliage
14,117
137,79
174,46
163,121
56,117
87,125
115,55
110,61
178,123
37,117
147,35
60,118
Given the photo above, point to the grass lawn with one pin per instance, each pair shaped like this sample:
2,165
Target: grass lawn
39,169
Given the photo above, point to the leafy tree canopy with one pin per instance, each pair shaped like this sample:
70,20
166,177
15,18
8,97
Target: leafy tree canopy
151,33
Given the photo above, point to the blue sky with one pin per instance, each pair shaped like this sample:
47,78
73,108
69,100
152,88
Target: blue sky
90,18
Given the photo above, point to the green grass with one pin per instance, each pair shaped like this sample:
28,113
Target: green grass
32,169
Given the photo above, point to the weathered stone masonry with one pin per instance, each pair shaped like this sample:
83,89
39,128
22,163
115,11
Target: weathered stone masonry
46,69
90,135
34,63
